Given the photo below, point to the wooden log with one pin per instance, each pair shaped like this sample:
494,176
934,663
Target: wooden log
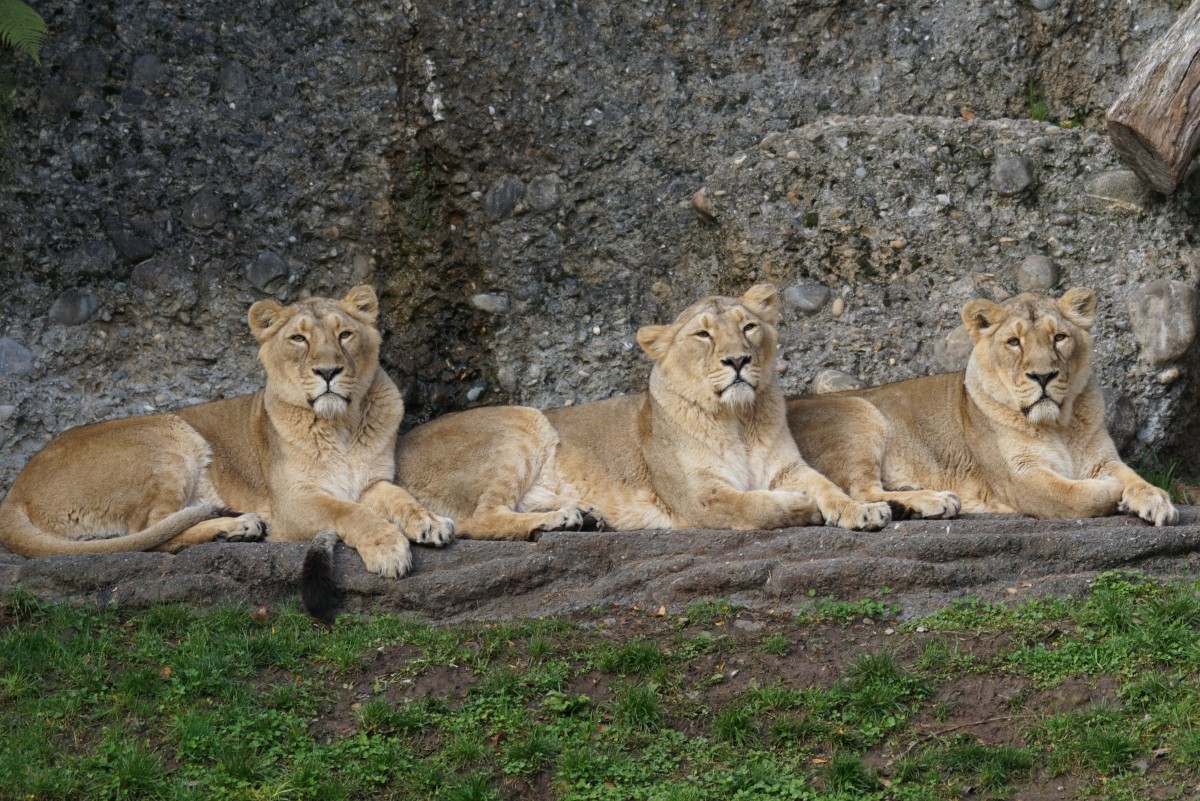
1154,123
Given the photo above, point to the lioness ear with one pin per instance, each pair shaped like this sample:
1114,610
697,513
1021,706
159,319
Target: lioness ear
362,303
263,317
762,300
655,340
1079,306
981,314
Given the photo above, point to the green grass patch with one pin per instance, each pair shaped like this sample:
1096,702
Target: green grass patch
169,703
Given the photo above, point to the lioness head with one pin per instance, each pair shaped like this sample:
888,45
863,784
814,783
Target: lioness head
1032,354
720,351
319,353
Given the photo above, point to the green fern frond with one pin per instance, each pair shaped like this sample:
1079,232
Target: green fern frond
22,28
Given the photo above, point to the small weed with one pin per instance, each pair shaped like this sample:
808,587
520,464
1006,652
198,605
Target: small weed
849,774
1038,109
735,725
476,787
539,649
993,766
637,706
831,610
707,611
777,644
636,657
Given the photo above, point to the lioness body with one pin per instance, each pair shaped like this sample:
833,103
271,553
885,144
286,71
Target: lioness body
314,450
1020,430
706,447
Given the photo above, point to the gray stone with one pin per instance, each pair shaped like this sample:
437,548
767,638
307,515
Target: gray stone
202,210
1120,418
94,258
952,352
15,358
86,65
1120,189
493,304
1037,274
57,98
1162,315
502,198
1012,176
233,78
806,298
830,380
73,307
160,275
544,192
147,70
268,268
1044,5
476,391
130,246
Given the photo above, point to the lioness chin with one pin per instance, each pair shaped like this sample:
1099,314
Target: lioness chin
706,447
1021,430
312,451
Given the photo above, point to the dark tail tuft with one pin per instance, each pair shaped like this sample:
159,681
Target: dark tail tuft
318,592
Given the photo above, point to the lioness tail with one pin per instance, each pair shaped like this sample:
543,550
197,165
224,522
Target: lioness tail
318,591
20,534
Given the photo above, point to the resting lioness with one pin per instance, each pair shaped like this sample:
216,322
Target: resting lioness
312,451
1021,430
706,447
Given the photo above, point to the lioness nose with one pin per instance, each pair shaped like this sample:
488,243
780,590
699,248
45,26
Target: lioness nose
327,373
1043,378
736,362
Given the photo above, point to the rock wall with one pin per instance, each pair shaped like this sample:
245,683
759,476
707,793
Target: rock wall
519,181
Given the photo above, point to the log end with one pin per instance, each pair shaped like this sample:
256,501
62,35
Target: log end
1142,158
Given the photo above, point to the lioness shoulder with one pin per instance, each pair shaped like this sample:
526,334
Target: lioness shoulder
706,447
1020,430
312,451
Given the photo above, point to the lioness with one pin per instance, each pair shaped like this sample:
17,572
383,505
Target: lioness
706,447
312,451
1021,430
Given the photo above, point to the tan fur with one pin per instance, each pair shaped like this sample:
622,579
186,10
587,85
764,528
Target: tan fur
305,452
990,438
701,449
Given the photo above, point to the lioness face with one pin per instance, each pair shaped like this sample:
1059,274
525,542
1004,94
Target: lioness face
1031,352
720,350
319,353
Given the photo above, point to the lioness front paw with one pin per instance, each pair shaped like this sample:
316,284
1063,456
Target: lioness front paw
243,528
860,516
1150,504
427,528
391,558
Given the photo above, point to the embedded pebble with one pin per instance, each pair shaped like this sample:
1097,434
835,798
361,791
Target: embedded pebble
493,304
838,307
831,380
807,298
1037,274
1012,176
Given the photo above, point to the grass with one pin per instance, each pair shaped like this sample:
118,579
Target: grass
1103,696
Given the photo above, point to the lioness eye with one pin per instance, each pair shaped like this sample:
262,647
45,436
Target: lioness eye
1014,342
704,335
345,335
1059,337
297,338
749,327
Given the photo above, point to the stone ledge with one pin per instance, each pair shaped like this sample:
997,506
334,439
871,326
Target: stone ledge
925,564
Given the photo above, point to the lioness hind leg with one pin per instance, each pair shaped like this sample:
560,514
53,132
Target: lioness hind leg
921,503
503,523
239,528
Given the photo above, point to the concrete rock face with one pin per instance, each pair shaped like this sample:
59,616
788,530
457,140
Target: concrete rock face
519,183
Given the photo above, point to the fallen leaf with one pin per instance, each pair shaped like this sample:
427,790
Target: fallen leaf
967,114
